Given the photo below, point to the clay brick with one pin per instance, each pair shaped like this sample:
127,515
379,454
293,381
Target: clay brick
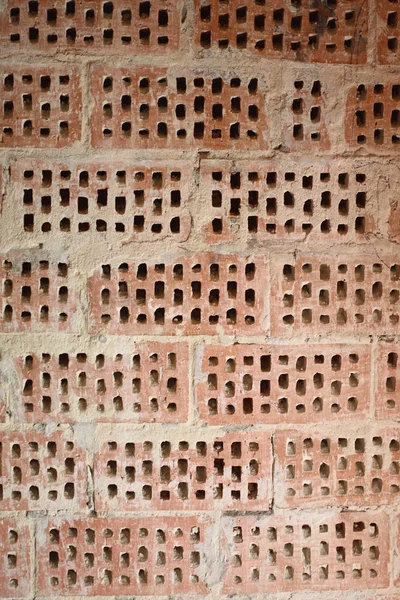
151,107
112,27
148,203
328,294
303,551
266,200
35,294
353,467
183,472
15,569
40,106
309,31
41,471
119,556
197,295
372,117
147,384
387,397
290,384
388,32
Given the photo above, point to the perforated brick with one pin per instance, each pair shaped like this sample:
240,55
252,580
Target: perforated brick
15,569
294,552
388,32
330,295
113,27
356,467
201,294
183,472
151,107
372,118
41,471
266,200
35,294
40,106
148,203
119,556
387,369
310,31
147,384
273,384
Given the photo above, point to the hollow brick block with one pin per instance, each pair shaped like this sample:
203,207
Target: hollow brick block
307,32
387,373
36,294
282,384
40,106
122,556
203,294
388,32
141,202
357,467
151,107
15,567
113,27
147,384
297,552
265,200
41,471
329,295
230,472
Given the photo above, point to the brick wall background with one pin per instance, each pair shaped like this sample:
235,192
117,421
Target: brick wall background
200,299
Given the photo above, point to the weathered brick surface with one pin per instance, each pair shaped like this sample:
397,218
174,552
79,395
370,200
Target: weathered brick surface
388,32
387,394
284,383
113,27
118,556
15,563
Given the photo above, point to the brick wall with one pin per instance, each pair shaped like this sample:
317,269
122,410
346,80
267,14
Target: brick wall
200,299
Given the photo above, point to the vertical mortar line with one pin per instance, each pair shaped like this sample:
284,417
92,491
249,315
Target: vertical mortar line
87,102
267,306
374,376
272,477
34,562
373,33
192,385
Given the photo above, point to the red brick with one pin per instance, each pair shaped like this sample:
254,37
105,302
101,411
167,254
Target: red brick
35,294
183,472
387,396
108,27
388,32
15,568
40,106
303,551
372,116
41,471
356,467
266,199
115,556
187,296
147,384
328,294
97,197
308,31
290,384
151,107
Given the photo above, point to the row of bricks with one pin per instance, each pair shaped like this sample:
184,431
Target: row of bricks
160,108
200,470
264,199
206,294
242,384
180,555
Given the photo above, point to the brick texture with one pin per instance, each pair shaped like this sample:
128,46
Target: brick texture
15,567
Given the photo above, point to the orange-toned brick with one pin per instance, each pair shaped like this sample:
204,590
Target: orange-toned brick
15,567
111,27
290,384
183,473
387,370
119,556
148,203
151,107
305,31
324,294
201,294
353,467
299,552
40,107
388,32
35,294
147,384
